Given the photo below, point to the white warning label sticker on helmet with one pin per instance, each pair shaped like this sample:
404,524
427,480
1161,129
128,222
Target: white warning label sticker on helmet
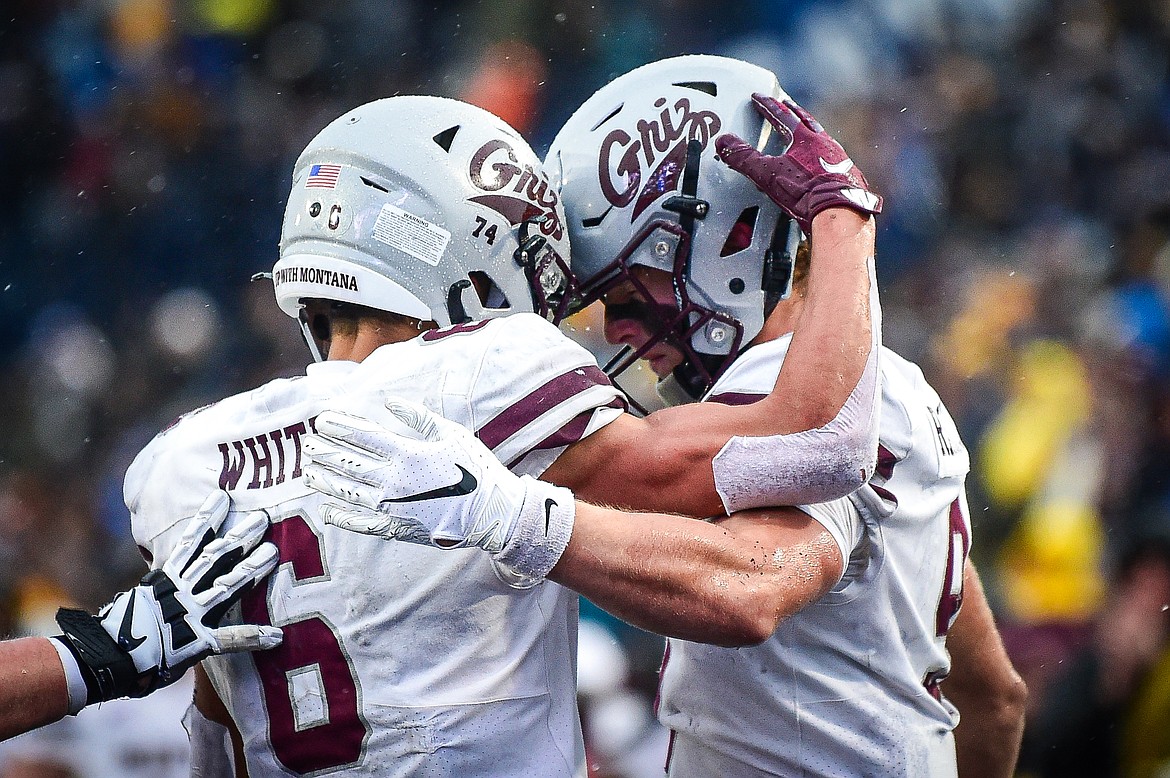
412,234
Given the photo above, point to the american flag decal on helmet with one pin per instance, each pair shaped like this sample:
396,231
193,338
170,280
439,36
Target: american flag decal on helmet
323,176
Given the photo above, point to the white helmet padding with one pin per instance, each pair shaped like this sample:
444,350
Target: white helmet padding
401,203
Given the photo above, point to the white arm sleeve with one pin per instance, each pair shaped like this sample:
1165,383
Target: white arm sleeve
211,746
815,465
841,519
74,683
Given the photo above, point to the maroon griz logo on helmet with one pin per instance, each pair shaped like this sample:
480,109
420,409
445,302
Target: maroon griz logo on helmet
660,148
494,168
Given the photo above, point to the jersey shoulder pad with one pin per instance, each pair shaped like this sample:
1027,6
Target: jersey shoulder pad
536,389
752,375
172,476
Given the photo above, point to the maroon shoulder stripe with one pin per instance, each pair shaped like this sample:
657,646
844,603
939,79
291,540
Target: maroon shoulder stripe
736,398
885,462
455,329
523,412
575,429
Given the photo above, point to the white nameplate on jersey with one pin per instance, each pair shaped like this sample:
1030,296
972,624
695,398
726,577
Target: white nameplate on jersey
953,459
411,234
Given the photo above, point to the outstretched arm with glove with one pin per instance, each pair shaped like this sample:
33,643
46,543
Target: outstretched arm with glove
817,430
147,637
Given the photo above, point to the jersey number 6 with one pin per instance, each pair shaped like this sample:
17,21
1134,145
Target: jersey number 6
337,734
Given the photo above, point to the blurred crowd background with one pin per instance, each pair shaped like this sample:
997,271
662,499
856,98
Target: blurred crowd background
1023,147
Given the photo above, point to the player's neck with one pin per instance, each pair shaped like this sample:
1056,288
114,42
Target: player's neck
370,335
782,320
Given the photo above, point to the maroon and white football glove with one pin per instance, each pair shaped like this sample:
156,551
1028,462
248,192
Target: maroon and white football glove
812,174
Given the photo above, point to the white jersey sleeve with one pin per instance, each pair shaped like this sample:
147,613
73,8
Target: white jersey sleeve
530,393
842,521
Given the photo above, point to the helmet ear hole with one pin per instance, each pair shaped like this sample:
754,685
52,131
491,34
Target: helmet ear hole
320,327
739,237
489,292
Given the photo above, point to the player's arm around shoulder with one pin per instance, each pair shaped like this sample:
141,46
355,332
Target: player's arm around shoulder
659,463
985,687
729,582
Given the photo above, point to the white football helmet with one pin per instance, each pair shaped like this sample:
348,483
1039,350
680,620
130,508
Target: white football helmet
636,169
401,203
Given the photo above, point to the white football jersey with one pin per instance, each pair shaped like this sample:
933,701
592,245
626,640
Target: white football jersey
849,685
398,659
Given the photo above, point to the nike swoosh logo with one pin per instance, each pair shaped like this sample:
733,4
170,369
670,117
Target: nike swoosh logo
866,200
549,504
126,637
840,168
465,485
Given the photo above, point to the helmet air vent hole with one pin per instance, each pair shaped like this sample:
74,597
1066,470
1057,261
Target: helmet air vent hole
595,221
374,184
736,285
490,293
740,236
447,137
707,87
609,116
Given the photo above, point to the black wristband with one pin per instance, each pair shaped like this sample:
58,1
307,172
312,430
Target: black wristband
108,671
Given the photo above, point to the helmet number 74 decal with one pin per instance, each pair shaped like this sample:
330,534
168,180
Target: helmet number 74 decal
517,192
489,234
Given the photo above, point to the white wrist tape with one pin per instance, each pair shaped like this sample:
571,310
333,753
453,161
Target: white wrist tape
74,683
815,465
540,536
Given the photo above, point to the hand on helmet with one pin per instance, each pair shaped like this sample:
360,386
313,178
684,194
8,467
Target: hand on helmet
149,636
812,174
423,479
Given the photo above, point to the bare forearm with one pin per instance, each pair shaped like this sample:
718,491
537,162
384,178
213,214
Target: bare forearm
987,746
32,686
833,338
726,583
985,688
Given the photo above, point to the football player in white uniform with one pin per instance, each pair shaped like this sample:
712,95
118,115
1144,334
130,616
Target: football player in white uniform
414,226
851,682
148,637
